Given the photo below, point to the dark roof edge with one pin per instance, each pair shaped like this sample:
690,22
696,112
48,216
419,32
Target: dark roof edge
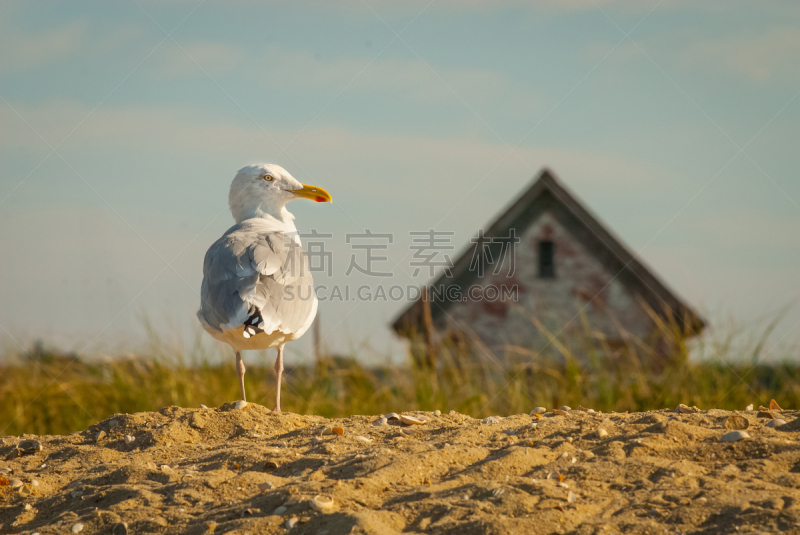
547,181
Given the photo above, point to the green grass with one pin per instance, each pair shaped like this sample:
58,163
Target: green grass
43,393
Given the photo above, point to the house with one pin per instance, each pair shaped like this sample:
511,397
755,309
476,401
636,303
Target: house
567,277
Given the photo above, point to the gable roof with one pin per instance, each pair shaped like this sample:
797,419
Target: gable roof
548,194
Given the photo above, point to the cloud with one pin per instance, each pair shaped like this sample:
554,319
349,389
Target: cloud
24,51
196,57
770,56
388,77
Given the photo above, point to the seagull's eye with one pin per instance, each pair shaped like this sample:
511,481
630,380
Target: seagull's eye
269,178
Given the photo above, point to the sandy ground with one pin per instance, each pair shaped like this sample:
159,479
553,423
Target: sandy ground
250,470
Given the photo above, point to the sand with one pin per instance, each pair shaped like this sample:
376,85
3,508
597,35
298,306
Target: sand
251,470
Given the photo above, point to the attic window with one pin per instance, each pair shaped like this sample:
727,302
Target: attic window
547,267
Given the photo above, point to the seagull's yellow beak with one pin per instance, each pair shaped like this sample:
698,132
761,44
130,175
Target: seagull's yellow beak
313,193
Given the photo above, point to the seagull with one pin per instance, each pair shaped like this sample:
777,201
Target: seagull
257,290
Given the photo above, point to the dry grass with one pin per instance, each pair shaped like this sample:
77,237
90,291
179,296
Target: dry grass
45,393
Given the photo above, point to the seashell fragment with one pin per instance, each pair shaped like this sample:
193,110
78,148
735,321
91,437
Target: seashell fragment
392,416
773,405
380,422
555,475
685,409
736,421
292,522
165,469
571,498
602,432
322,503
241,404
408,431
24,491
410,420
559,412
764,414
16,484
491,420
734,436
363,440
112,424
749,407
565,408
333,431
271,466
120,528
77,528
777,422
202,406
537,410
100,436
264,487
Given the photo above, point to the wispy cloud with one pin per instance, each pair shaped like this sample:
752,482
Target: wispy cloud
23,51
772,56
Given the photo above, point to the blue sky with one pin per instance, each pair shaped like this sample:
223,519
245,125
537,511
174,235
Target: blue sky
675,122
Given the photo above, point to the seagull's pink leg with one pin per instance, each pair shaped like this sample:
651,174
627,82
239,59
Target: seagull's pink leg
279,374
240,369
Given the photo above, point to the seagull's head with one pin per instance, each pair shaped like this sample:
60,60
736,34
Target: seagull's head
265,188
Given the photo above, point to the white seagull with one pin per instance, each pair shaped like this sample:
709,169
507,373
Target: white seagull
257,290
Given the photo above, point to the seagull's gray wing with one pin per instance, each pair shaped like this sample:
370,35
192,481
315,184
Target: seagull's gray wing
249,270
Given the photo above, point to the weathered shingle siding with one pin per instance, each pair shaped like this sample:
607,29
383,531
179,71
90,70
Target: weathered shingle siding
582,285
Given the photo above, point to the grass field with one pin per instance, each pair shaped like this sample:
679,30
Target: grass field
45,393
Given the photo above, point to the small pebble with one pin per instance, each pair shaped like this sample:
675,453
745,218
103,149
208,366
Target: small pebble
437,413
571,498
734,436
749,407
279,510
241,404
77,528
363,440
737,421
100,436
380,422
264,487
203,406
565,408
685,409
292,522
602,432
112,424
491,420
27,447
129,439
777,422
